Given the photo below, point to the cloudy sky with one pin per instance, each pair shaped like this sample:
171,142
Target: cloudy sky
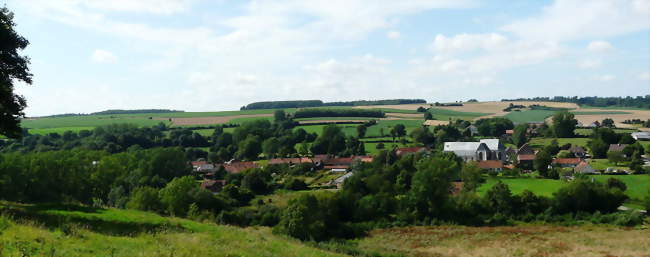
92,55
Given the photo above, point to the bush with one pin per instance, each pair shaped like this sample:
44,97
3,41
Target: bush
144,199
295,184
583,195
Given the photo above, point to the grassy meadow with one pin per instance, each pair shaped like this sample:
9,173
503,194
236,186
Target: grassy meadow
529,116
60,230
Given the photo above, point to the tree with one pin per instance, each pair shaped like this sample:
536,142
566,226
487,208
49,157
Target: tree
598,148
500,199
145,199
13,67
647,202
302,219
279,116
472,177
542,160
250,148
400,130
175,196
519,135
615,157
361,130
430,186
564,124
422,135
428,116
608,123
270,147
616,183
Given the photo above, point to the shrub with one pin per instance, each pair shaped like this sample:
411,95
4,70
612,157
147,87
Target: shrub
145,199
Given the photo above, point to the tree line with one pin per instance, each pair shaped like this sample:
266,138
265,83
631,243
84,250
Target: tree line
319,103
318,112
628,101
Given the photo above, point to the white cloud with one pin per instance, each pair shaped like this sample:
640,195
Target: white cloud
590,64
103,56
644,76
567,20
605,78
393,34
599,46
468,42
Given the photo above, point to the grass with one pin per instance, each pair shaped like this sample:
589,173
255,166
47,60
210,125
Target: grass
522,240
529,116
637,185
61,130
602,164
55,230
539,142
87,121
545,187
588,132
444,114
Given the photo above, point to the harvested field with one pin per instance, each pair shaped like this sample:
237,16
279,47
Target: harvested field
211,120
496,108
436,122
330,121
412,107
618,118
405,115
533,240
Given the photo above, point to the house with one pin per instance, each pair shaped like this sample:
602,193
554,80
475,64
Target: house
473,130
509,132
289,161
409,150
584,168
641,136
616,147
213,186
338,182
343,162
578,151
526,156
567,162
486,149
238,167
491,165
203,166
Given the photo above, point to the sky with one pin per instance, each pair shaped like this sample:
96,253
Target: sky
211,55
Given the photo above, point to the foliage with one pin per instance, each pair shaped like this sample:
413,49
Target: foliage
496,126
519,135
318,112
14,68
564,124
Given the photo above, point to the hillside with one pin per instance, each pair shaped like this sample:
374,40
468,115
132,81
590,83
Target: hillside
68,230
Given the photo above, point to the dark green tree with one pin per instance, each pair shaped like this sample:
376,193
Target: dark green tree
361,130
519,135
564,124
14,67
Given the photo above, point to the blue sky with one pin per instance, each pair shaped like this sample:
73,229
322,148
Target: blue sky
194,55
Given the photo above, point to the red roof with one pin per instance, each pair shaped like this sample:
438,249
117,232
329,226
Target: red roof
510,132
572,161
407,150
210,183
289,160
199,163
339,161
492,164
237,167
526,157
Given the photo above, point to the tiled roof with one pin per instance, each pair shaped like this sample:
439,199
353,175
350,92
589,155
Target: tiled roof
574,161
616,147
490,164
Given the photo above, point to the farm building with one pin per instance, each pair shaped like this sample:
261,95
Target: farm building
526,156
616,147
578,151
486,149
641,136
339,181
584,168
409,150
567,162
289,161
491,165
238,167
202,166
213,186
473,130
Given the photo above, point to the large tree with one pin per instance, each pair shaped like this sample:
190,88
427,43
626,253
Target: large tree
13,67
564,124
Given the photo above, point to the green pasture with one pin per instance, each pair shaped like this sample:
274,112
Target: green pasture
61,130
529,116
539,142
444,114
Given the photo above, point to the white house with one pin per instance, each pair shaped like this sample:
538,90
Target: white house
486,149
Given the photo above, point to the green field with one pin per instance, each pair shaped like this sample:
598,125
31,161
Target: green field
545,187
539,142
88,121
529,116
637,185
587,132
61,130
444,114
55,230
